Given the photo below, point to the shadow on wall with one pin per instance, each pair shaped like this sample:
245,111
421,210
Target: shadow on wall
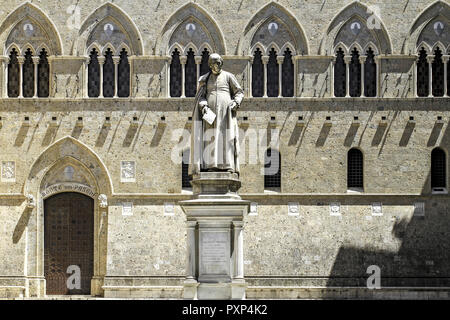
423,258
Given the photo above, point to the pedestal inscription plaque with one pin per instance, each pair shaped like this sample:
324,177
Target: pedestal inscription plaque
214,256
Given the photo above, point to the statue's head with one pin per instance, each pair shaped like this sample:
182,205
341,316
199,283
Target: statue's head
215,63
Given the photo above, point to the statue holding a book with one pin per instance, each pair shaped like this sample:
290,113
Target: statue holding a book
215,132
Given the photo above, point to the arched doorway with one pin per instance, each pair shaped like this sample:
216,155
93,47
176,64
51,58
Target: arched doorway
68,242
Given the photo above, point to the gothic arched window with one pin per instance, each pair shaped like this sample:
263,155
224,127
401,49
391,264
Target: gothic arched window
438,74
108,75
355,169
185,177
123,77
175,74
43,74
370,75
422,74
13,74
28,75
204,66
190,83
438,169
272,74
355,74
272,169
93,75
340,75
257,74
287,75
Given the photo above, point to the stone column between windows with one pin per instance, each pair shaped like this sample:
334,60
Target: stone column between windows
131,64
183,60
167,67
362,61
101,62
35,65
198,61
294,62
445,59
347,60
239,250
265,61
430,59
116,60
191,254
250,77
86,76
332,65
280,60
378,75
415,82
5,63
21,61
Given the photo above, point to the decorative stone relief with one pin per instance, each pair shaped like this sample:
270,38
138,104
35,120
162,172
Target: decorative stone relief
169,209
31,201
377,209
128,171
253,209
335,209
8,171
103,200
293,209
127,208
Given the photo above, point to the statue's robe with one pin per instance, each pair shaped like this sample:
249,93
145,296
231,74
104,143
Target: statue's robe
215,147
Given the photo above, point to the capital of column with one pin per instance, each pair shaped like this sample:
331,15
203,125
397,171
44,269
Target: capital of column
252,59
265,59
116,59
169,60
280,59
238,224
183,59
6,60
362,59
191,224
430,59
445,58
347,59
198,59
101,60
21,60
35,60
87,60
333,60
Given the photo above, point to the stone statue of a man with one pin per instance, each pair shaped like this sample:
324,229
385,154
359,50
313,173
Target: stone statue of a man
215,145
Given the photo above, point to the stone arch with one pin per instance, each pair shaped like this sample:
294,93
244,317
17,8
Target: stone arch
44,30
356,12
288,26
422,30
173,31
66,148
93,29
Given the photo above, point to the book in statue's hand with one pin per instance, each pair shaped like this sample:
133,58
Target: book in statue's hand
209,116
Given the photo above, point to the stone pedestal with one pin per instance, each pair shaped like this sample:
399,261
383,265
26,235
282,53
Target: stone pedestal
215,266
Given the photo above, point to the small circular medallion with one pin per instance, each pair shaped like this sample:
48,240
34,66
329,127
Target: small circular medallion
28,29
108,28
273,28
190,29
355,27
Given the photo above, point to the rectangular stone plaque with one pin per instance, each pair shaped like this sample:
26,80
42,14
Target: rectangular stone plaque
214,256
